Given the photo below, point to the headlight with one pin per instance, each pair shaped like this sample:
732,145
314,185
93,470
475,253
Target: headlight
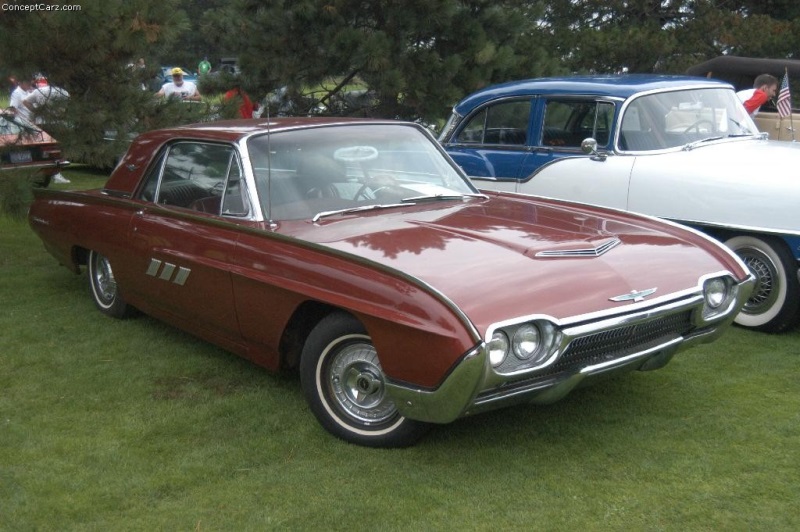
498,348
715,292
532,343
717,296
526,341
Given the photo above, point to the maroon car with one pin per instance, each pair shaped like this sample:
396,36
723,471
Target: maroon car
357,253
23,146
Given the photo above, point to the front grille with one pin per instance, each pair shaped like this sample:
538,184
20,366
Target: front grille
620,342
608,345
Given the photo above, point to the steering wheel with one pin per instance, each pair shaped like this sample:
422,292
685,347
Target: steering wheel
376,184
696,125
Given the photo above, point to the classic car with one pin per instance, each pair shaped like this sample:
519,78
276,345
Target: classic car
358,254
23,146
676,147
741,72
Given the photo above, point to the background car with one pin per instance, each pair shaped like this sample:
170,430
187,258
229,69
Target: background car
741,72
679,148
356,253
24,146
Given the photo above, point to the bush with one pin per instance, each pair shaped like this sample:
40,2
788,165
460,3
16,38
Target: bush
16,192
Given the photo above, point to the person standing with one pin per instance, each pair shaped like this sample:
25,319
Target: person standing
15,104
246,106
44,97
180,88
764,88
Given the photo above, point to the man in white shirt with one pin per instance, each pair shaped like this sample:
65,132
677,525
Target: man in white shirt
19,94
178,87
43,95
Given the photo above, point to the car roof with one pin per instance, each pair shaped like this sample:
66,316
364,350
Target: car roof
742,71
621,86
233,130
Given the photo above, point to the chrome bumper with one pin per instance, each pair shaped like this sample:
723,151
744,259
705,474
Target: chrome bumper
473,386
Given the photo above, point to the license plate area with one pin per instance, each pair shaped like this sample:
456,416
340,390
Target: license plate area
18,157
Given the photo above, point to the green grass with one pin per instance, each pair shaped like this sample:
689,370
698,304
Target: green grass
133,425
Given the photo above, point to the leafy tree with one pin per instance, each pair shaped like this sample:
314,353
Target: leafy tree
91,53
668,35
417,57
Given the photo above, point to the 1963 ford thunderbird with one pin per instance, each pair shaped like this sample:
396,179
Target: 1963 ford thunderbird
357,253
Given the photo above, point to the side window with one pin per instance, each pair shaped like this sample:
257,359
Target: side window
504,123
196,175
597,124
568,122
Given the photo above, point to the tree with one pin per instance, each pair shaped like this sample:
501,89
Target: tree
667,35
91,52
417,57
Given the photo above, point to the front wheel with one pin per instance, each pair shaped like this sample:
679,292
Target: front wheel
345,387
773,305
105,292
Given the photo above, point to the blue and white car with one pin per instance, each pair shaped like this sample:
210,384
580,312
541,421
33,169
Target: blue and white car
677,147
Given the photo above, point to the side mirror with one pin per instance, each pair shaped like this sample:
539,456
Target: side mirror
589,147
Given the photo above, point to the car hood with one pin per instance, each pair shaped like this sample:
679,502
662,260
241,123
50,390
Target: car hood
506,256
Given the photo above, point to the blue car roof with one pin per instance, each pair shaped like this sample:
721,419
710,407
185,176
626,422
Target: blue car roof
621,86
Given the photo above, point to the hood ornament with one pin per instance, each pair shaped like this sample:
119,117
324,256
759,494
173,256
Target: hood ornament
635,295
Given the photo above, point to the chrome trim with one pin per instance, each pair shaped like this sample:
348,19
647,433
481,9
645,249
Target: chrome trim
634,295
152,270
472,386
166,272
584,252
182,276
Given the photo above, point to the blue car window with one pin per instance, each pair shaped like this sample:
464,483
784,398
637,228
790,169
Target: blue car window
504,123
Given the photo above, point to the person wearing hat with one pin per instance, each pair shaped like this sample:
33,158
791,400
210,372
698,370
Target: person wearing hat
178,87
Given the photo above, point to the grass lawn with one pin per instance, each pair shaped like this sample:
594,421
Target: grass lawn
133,425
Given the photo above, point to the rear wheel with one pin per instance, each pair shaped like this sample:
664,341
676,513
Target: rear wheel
105,292
773,305
345,387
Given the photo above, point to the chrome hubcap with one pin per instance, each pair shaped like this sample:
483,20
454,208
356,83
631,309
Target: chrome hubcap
104,281
766,290
356,381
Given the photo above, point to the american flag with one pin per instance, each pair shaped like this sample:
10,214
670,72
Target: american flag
784,98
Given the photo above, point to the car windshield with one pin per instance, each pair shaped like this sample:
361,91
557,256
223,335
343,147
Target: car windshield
352,168
678,118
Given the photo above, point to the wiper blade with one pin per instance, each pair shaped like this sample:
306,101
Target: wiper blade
349,210
442,197
693,145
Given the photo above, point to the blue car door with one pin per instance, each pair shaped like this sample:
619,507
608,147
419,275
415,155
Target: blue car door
493,142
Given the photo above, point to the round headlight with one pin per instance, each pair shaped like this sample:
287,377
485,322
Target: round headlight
716,292
498,348
526,341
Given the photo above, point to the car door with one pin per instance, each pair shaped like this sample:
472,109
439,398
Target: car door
561,124
493,140
180,253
